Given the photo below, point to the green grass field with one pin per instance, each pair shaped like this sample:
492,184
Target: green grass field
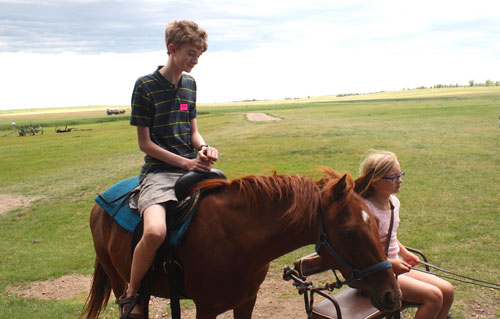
447,141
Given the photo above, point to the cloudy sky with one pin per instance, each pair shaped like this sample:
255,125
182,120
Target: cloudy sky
90,52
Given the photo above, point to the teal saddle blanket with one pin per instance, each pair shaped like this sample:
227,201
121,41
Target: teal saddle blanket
115,201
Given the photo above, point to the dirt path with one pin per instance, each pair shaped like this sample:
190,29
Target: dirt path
277,298
12,201
261,117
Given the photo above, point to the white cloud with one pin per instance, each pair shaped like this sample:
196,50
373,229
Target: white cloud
257,48
70,79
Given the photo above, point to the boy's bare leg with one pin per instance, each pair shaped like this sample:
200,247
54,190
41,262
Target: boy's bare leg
154,233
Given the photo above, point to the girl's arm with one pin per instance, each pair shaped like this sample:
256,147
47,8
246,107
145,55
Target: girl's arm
409,260
399,266
408,256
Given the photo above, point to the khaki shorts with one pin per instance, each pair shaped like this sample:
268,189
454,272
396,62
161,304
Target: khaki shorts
157,188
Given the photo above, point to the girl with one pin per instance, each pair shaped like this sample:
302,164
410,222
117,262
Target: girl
381,178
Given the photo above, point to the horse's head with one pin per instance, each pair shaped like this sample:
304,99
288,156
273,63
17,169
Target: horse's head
349,242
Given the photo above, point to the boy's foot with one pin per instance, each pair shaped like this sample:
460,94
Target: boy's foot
128,304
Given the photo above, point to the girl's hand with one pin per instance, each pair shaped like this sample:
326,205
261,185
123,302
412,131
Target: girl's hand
412,259
400,266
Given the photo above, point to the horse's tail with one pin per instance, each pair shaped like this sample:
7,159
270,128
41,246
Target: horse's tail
99,293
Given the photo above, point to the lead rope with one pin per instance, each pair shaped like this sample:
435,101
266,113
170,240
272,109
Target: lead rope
472,281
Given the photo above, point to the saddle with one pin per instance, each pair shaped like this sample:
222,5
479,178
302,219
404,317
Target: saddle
119,201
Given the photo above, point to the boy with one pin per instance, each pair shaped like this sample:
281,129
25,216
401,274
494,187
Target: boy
164,111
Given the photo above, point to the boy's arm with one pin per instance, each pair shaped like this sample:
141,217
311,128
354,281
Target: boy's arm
153,150
196,139
207,153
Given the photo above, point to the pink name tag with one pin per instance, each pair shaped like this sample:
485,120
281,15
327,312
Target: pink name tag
184,107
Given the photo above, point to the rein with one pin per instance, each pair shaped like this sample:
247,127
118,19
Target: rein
454,276
355,273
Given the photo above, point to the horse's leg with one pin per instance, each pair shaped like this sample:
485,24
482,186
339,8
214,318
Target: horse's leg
118,285
245,311
105,276
203,315
106,236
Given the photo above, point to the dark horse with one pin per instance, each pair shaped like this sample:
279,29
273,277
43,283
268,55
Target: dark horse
239,228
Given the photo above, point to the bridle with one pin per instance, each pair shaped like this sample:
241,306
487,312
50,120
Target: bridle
355,273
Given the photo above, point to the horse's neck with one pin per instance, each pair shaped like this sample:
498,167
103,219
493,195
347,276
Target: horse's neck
290,240
259,235
277,238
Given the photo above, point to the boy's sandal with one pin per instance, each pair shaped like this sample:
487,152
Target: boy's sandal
127,304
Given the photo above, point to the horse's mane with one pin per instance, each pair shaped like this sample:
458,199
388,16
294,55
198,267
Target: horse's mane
302,192
328,173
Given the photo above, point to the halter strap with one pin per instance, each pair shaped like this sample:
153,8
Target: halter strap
355,273
389,233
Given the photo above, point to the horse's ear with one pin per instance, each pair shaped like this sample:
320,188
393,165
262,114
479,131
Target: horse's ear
340,188
363,182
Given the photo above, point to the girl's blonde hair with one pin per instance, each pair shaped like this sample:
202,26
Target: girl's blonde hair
375,166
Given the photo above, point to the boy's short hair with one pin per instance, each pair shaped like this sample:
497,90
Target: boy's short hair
184,31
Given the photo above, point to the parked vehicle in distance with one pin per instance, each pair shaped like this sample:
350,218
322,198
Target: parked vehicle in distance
115,111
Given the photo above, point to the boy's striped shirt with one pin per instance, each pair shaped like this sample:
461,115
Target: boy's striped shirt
168,112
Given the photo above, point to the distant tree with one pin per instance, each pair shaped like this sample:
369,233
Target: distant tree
497,83
489,83
471,82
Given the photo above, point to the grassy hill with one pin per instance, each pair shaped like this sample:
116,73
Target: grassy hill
447,140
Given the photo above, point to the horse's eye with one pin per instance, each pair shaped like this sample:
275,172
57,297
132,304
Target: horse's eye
348,234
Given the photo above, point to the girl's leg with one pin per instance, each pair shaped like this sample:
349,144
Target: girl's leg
446,288
428,296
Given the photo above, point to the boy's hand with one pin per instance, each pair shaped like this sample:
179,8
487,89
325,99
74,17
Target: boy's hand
209,154
198,164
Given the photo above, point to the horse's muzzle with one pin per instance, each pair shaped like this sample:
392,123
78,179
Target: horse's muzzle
390,300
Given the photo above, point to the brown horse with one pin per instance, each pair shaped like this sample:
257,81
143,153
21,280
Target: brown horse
239,228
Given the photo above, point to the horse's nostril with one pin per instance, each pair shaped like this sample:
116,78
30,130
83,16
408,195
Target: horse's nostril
389,298
392,300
